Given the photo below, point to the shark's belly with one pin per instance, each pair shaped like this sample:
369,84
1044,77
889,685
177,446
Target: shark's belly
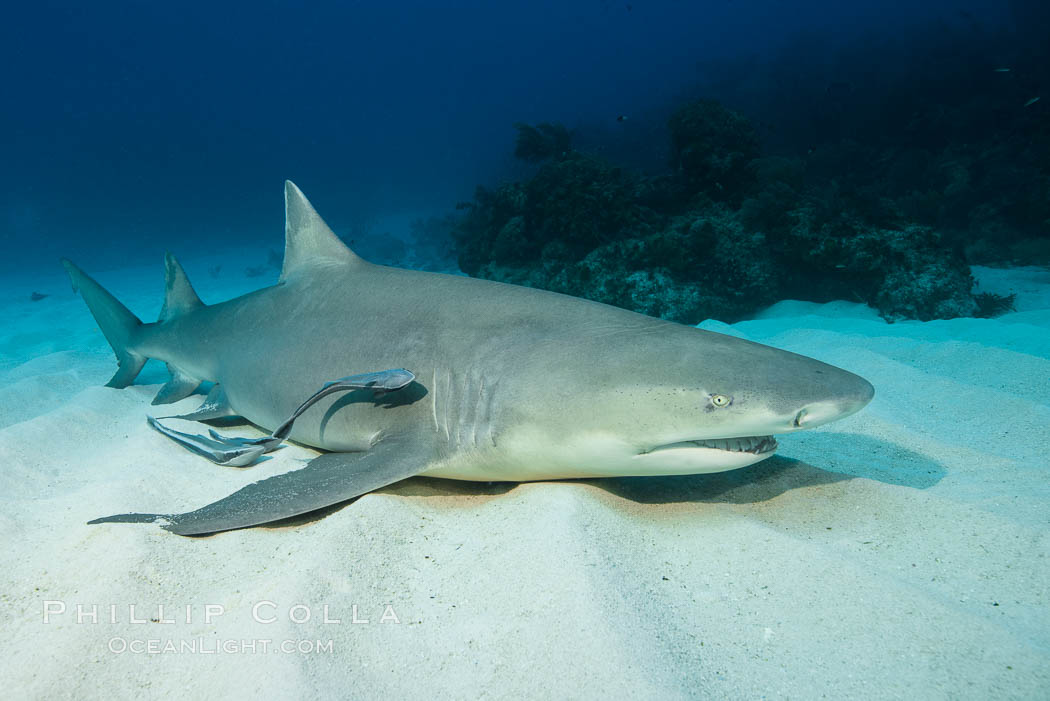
497,466
492,469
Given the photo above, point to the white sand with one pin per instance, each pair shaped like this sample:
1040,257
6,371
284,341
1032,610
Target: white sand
900,553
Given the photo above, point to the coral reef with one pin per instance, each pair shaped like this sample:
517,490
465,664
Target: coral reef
712,147
541,142
569,208
700,265
937,126
893,221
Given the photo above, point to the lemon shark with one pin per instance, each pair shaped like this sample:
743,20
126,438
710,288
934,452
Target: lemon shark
493,382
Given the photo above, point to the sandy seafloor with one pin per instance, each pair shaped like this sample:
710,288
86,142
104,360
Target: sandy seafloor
900,553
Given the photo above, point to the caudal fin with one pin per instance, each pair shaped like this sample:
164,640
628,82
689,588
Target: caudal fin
117,322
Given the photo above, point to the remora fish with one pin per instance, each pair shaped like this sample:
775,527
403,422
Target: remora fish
510,383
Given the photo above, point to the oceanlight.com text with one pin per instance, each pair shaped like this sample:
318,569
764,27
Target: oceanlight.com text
211,646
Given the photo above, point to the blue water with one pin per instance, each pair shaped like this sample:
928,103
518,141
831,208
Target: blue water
129,127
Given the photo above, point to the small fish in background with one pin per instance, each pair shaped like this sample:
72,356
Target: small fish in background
215,270
256,271
1031,102
621,118
37,296
1001,70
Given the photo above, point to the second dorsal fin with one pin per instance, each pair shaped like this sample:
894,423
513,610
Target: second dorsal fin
308,242
179,296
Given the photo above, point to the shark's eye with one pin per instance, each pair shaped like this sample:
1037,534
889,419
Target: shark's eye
720,400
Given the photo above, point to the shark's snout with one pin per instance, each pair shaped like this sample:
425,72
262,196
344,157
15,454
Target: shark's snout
845,403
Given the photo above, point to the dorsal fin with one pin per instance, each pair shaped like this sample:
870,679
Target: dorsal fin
308,242
179,296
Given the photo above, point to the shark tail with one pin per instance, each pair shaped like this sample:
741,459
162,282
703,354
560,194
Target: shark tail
118,324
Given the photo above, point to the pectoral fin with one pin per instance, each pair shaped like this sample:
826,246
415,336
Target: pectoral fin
326,480
215,406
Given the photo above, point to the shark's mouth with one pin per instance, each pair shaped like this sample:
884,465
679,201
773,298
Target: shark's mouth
756,445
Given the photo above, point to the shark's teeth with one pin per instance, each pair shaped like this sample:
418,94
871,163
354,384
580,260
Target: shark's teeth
746,444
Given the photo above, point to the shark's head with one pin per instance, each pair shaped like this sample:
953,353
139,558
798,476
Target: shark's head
672,399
